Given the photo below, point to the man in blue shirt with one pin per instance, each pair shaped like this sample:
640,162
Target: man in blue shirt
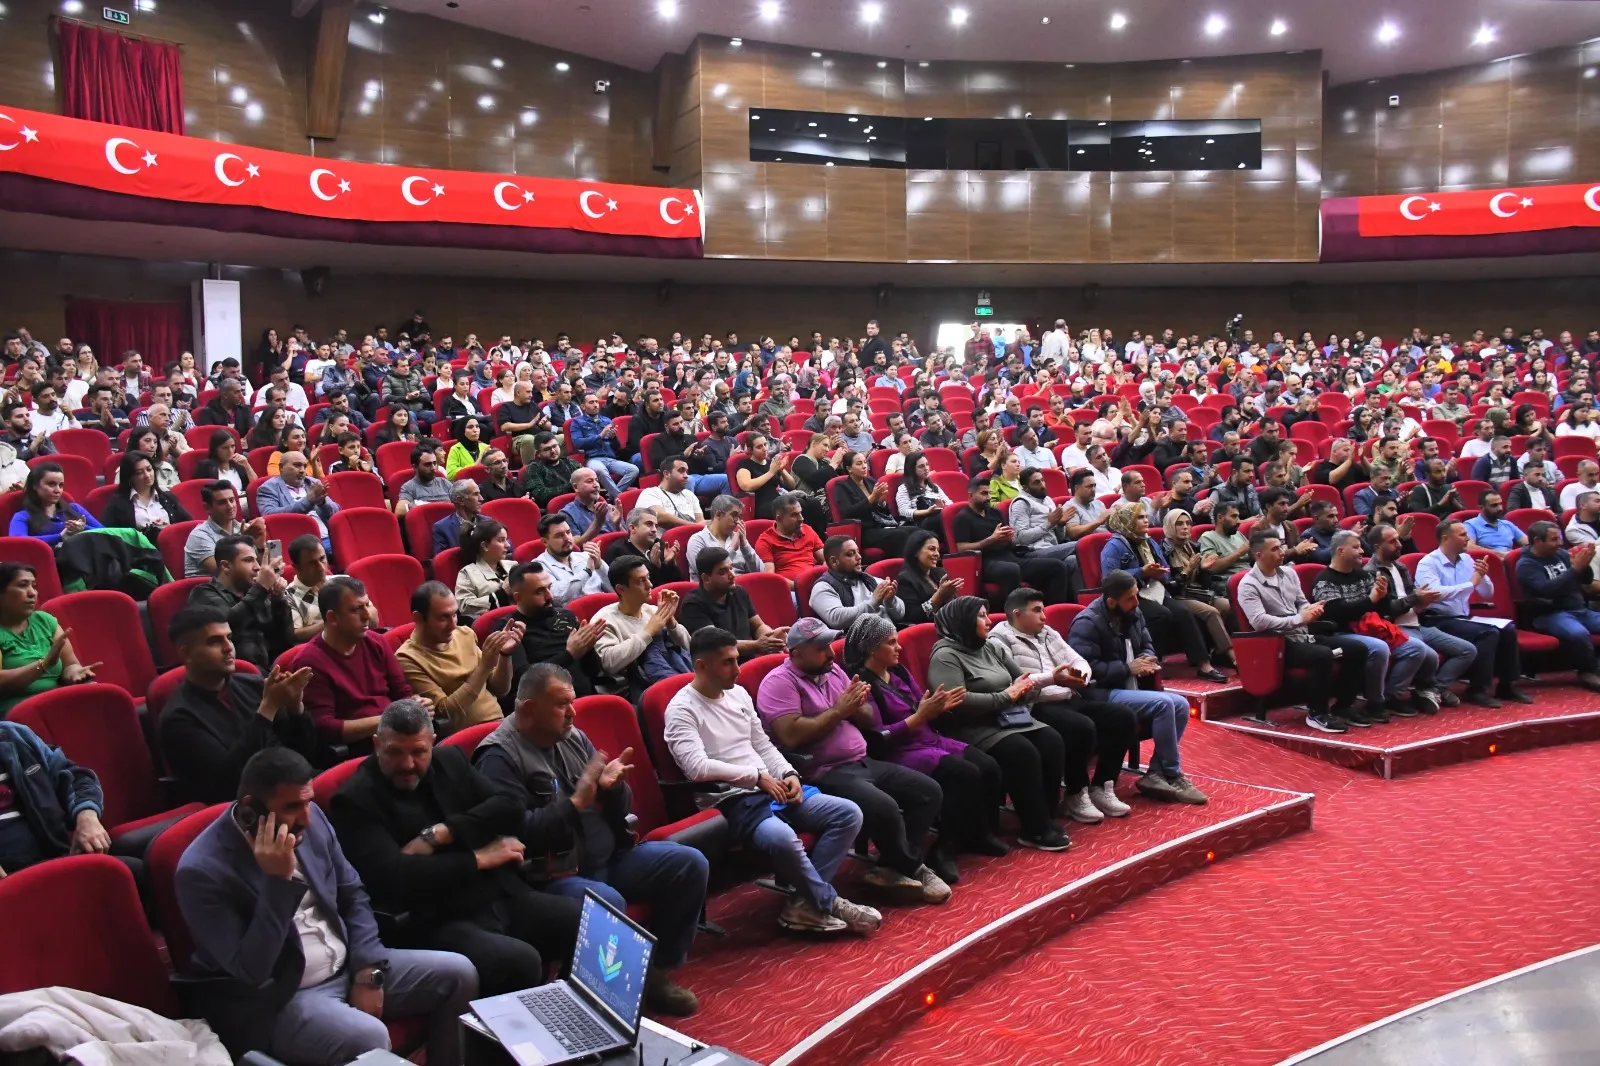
594,435
1490,530
1461,578
1557,586
1381,488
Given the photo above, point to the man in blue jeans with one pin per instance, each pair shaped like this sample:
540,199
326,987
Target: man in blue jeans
1349,592
593,434
1456,656
717,740
1557,585
577,801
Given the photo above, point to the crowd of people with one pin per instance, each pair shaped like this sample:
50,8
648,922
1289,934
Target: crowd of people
854,472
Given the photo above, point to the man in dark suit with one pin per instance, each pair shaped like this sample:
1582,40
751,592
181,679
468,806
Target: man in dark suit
287,958
438,841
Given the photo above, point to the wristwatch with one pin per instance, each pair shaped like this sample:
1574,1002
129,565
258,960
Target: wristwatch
429,835
375,978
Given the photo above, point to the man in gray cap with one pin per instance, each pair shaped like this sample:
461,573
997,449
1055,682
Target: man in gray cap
816,713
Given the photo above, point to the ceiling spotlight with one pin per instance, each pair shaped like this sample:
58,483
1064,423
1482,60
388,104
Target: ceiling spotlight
769,10
958,16
667,9
882,63
923,63
1045,21
816,55
563,66
824,136
927,118
497,63
1241,166
829,163
1279,28
871,13
852,118
72,7
1388,33
755,118
737,42
811,124
1118,20
1215,24
1485,35
486,102
375,17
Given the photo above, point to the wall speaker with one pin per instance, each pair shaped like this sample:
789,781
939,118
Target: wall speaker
315,280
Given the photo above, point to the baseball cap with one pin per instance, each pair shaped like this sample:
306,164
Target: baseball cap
811,631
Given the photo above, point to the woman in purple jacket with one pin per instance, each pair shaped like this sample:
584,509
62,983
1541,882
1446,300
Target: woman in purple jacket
902,713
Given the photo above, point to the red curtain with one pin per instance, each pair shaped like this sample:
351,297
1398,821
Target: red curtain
159,332
127,81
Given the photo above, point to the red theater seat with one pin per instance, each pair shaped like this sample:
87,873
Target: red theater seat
106,629
389,580
37,554
358,532
612,725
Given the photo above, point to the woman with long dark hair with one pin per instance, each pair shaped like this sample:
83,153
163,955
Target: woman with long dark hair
46,512
480,584
919,500
922,584
224,463
35,654
139,502
863,499
269,427
399,425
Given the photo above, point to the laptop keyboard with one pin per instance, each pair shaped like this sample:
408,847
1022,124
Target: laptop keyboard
570,1024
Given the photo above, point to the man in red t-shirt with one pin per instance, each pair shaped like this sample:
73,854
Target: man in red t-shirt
355,675
790,547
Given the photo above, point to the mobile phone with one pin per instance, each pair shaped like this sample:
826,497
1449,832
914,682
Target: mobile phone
275,553
247,814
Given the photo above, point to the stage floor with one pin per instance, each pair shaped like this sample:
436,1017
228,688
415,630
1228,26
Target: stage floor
1547,1014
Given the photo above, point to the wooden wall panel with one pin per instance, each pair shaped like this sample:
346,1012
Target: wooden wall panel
1527,120
1018,217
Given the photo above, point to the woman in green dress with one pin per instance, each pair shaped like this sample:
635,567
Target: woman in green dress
35,654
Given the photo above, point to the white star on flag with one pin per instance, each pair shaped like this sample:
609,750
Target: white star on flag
149,159
252,170
611,205
29,135
438,190
1435,207
527,197
688,209
1526,201
344,186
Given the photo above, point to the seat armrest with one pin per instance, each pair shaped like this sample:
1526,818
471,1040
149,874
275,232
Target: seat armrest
707,832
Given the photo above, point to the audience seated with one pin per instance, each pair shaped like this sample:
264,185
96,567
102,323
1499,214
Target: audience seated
725,530
46,513
593,434
139,502
310,561
443,664
428,483
643,642
575,827
253,597
448,531
49,806
1173,619
644,540
550,632
845,591
674,501
1559,585
287,955
716,739
981,528
354,674
550,473
573,573
219,716
720,602
222,520
789,547
440,843
35,651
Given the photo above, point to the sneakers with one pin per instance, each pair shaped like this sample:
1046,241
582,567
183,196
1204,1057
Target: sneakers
1448,698
1155,785
857,918
1481,698
801,917
1588,681
1426,700
1377,715
664,996
1186,792
1050,839
1105,798
892,881
1354,716
1079,808
1514,694
1325,723
941,859
1400,708
991,845
934,888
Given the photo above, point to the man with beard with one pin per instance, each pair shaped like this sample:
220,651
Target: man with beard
1040,524
550,632
550,473
676,441
426,485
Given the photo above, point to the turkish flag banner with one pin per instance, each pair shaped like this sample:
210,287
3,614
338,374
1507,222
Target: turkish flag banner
166,166
1481,212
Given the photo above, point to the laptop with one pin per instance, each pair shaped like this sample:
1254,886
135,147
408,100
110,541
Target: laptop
593,1011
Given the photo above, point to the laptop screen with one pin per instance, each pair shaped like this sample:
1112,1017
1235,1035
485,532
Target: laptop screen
610,960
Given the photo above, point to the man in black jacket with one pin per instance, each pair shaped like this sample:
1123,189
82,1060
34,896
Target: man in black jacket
227,408
550,633
254,599
436,841
219,717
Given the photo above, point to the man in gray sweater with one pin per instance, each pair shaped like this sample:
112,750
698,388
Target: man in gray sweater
576,831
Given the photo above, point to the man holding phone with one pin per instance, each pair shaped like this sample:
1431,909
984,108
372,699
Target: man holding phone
286,948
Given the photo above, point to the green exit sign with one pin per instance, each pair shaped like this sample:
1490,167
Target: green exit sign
983,311
111,14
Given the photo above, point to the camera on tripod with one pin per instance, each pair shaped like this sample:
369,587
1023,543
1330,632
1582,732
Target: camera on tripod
1233,326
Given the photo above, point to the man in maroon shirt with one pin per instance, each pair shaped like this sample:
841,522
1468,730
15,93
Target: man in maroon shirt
354,674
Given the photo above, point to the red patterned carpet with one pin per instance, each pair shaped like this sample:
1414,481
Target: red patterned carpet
1405,890
763,990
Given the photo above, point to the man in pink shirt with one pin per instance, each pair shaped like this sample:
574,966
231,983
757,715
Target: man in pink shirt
354,674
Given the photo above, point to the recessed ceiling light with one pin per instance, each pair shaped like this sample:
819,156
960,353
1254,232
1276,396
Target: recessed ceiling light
497,63
1485,35
1045,21
816,55
923,63
1241,166
374,17
486,102
563,66
755,118
772,129
1118,20
1211,140
871,13
1215,24
1388,33
737,42
882,63
824,136
769,10
829,163
1279,28
872,138
812,124
958,16
1080,151
927,118
667,9
852,118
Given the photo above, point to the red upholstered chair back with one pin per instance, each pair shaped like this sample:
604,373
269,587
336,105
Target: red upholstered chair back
37,554
398,636
585,607
106,629
359,532
469,738
612,726
164,604
916,646
770,596
390,580
752,673
419,522
162,861
170,542
97,726
325,784
447,564
355,488
803,585
1089,549
488,621
518,514
77,923
653,717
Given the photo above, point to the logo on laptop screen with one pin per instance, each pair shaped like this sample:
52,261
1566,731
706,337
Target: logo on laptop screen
610,965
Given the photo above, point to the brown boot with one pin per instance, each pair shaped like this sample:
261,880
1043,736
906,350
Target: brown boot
664,996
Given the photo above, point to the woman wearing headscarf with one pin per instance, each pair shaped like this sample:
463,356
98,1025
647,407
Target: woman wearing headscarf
1170,618
902,717
995,718
1214,613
